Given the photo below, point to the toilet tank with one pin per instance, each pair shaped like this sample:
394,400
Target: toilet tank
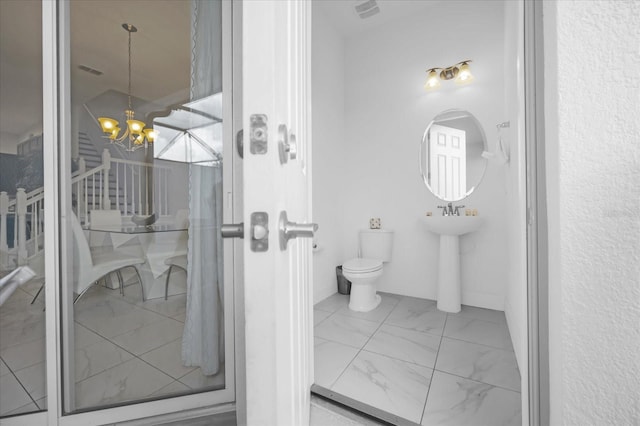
376,244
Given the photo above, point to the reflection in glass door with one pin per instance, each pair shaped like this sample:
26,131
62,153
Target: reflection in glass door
22,218
146,314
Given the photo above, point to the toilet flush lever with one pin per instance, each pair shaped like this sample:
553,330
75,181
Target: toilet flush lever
289,230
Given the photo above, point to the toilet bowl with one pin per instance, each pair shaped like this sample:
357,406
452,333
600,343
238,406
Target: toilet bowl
363,274
374,248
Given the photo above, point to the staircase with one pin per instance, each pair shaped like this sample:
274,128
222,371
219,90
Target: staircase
92,159
99,183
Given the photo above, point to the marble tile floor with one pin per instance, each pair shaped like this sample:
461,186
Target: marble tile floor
125,350
412,361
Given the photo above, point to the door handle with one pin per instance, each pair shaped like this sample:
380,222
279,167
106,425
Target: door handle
232,230
289,230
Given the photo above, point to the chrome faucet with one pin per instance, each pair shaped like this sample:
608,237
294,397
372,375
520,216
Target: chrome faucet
450,210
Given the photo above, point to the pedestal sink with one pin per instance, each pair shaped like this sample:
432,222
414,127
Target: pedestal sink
450,228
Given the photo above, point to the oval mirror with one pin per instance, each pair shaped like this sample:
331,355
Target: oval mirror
451,158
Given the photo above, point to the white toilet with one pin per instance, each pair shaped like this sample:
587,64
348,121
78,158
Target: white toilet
374,248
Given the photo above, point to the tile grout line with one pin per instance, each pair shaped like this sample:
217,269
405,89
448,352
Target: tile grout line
362,347
25,390
433,370
477,381
127,351
480,344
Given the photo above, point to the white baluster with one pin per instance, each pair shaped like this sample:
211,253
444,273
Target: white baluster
4,214
139,191
146,188
35,225
133,191
126,200
80,193
21,217
106,163
118,186
166,193
86,200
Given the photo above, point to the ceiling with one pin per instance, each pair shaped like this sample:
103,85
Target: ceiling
160,50
346,20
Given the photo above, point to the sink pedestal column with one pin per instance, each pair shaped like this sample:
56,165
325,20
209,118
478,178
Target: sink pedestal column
449,292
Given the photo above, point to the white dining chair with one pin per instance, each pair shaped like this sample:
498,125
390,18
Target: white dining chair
179,255
103,219
93,266
181,262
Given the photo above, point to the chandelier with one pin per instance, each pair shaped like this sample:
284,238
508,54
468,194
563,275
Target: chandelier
136,136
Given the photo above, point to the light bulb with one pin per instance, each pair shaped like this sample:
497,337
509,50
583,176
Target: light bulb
150,134
433,82
107,124
464,76
135,126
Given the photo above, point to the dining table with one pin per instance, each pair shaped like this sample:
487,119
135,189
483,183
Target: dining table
156,243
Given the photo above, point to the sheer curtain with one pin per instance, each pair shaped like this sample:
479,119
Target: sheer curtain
202,340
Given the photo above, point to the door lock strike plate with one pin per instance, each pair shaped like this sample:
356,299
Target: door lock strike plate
259,231
259,134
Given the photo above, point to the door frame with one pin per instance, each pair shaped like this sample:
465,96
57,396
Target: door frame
57,128
537,237
537,229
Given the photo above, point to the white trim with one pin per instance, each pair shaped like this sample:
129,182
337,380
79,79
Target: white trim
57,130
537,238
483,300
51,188
40,418
238,212
181,415
277,283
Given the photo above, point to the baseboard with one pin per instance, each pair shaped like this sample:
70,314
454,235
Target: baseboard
483,300
323,294
514,332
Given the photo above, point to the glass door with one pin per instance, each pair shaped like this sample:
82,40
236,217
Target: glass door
146,288
22,218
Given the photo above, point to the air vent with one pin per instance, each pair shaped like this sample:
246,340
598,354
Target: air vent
366,9
90,70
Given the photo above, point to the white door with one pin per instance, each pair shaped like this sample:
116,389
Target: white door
448,167
278,302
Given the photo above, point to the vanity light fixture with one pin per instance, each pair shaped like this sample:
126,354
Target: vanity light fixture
459,71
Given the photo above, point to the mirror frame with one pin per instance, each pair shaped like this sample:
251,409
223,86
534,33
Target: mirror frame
469,191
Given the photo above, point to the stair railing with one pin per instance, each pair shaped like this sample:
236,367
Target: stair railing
90,190
27,209
141,187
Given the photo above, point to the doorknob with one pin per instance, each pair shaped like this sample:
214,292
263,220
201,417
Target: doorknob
289,230
232,230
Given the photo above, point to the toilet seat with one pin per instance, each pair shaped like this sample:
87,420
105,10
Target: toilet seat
361,266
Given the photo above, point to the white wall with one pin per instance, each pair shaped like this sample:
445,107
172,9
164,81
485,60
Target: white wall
387,111
9,143
328,152
593,175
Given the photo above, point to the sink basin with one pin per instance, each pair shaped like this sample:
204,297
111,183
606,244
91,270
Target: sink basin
452,225
450,228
